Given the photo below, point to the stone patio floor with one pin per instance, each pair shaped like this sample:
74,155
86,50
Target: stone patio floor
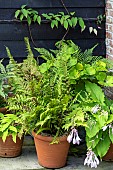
28,161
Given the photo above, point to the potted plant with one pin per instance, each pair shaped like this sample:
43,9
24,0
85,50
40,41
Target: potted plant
11,135
11,131
61,94
89,107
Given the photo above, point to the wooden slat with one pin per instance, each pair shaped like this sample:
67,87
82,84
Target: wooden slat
51,3
44,32
85,13
18,48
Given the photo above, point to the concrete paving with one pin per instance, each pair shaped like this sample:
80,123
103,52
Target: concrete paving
28,161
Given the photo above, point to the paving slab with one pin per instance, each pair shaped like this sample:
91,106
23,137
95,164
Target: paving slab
28,161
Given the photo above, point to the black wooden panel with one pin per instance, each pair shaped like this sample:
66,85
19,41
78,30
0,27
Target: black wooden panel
18,31
18,48
8,14
51,3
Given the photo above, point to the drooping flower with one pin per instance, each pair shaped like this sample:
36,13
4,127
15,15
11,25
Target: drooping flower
73,136
104,128
91,159
70,137
95,109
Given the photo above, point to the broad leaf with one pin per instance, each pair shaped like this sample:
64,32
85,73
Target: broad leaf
95,91
103,144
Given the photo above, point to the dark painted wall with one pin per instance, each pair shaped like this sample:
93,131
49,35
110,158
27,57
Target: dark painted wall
12,32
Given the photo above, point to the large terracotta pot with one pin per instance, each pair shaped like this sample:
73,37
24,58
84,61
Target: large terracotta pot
10,148
109,155
51,155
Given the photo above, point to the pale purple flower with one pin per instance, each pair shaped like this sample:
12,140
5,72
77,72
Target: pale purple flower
95,109
70,137
91,159
73,136
104,128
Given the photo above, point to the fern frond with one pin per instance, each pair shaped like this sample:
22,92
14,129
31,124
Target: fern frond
45,54
28,47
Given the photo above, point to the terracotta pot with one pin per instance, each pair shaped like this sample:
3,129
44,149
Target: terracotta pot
51,155
3,110
109,155
10,148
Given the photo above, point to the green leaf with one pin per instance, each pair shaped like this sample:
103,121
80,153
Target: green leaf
17,13
21,17
39,20
70,22
95,92
101,76
12,128
35,18
92,129
23,6
65,24
25,12
5,126
43,67
81,23
103,144
72,62
5,134
111,134
109,81
92,142
29,20
14,135
74,21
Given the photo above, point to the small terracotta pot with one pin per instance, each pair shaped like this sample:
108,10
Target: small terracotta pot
10,148
51,155
3,110
109,155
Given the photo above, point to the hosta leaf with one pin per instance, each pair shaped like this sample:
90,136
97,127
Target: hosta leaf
92,142
92,130
103,144
111,134
95,92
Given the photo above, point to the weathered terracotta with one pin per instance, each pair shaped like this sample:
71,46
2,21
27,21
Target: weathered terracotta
51,155
10,148
3,110
109,155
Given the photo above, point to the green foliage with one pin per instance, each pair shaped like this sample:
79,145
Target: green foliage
9,124
66,21
65,91
29,14
69,20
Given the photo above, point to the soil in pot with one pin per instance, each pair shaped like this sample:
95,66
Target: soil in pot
10,148
109,155
51,155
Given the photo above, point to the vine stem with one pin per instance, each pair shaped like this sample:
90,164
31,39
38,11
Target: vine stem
64,6
31,36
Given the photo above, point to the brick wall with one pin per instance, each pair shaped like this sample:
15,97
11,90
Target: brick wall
109,29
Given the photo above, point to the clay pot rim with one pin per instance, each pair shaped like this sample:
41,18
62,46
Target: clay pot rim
48,138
